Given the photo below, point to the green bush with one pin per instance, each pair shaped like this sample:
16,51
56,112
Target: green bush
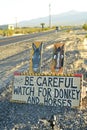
85,26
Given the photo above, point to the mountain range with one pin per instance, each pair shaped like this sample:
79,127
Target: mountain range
66,18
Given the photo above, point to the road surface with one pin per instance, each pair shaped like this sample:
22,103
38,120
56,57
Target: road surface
15,39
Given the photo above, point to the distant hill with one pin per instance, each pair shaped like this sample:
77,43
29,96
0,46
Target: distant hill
67,18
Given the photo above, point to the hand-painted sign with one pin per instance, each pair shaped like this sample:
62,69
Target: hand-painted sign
58,58
47,90
36,57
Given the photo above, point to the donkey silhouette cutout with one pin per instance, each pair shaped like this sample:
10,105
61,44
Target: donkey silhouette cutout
36,58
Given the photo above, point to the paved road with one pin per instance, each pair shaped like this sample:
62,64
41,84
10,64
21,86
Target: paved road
10,40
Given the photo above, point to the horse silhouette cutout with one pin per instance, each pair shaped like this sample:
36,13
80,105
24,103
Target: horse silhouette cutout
36,58
58,58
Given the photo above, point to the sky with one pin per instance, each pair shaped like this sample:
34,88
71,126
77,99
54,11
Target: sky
12,11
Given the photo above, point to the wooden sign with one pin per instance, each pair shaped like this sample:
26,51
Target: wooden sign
47,90
36,56
58,58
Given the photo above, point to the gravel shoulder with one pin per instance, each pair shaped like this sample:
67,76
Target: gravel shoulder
19,116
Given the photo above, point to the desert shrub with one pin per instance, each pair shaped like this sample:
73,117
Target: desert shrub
68,31
85,27
85,36
1,32
10,32
7,32
27,30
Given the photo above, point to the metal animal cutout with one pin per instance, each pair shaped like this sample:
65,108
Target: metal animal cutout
36,57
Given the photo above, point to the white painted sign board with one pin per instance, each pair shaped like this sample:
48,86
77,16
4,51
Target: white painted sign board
47,90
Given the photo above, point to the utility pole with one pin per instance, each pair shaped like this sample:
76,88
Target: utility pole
16,22
49,15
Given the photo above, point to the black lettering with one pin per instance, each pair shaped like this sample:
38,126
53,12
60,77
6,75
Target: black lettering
67,82
30,91
63,102
56,93
72,84
55,102
61,80
59,102
69,103
45,101
50,101
39,90
61,93
44,92
45,81
29,100
23,90
66,95
16,90
49,92
33,100
50,81
29,81
39,81
55,82
69,94
78,94
20,90
26,80
73,94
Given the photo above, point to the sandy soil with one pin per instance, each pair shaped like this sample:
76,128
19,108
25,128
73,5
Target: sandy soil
17,116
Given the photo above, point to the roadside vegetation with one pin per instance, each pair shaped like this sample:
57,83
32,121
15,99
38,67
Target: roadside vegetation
28,30
85,36
85,27
24,30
